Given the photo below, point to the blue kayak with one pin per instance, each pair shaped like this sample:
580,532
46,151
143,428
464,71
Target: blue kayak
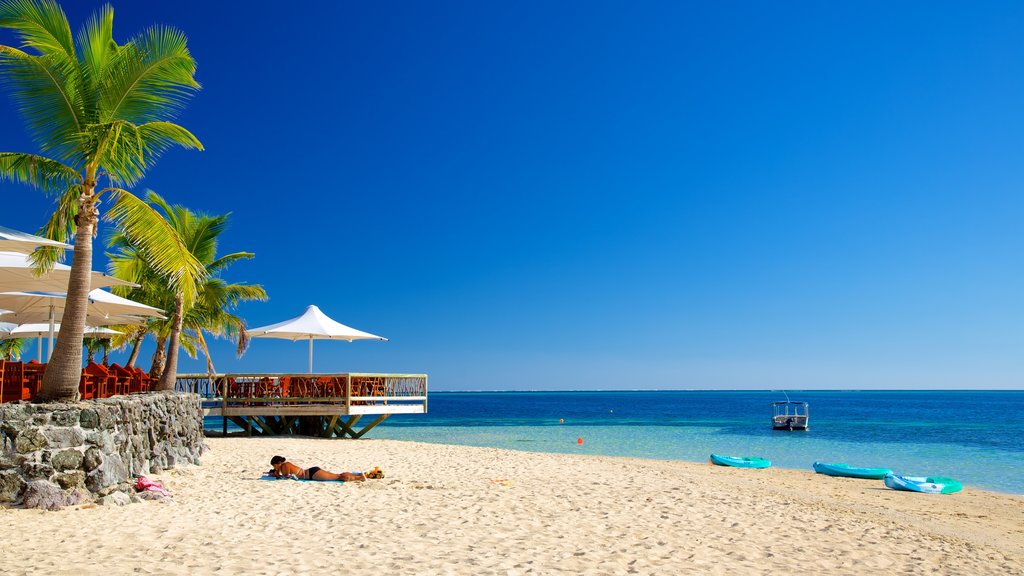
740,461
847,471
926,484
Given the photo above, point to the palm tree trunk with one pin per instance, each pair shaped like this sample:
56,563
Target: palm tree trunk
90,357
159,356
170,375
106,354
64,370
136,345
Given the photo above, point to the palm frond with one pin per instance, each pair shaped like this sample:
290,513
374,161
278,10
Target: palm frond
187,342
13,348
40,25
206,351
237,293
44,88
127,335
227,260
40,172
126,151
203,233
60,227
97,47
168,255
151,77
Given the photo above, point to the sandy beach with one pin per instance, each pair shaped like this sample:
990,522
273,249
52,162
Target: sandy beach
462,510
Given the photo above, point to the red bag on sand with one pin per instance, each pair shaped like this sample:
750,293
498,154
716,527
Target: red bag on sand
144,484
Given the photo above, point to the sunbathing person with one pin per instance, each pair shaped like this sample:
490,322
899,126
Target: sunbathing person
282,468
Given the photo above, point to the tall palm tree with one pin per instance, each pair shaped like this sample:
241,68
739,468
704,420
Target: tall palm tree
211,311
97,110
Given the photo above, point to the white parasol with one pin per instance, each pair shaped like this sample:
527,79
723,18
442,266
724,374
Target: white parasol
312,325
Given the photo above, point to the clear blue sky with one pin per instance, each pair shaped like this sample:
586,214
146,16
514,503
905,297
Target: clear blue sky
601,195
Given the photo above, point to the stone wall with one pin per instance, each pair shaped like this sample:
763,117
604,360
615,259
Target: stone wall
64,454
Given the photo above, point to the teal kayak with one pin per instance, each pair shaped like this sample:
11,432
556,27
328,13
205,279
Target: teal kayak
740,461
926,484
847,471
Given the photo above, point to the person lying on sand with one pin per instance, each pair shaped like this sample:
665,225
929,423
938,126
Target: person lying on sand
282,468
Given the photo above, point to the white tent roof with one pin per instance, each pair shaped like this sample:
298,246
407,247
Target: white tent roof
32,330
101,303
17,241
312,324
17,274
91,319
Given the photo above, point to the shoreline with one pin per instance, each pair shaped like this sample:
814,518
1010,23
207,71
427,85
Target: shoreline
468,510
808,470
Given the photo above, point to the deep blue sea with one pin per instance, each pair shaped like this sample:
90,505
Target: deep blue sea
976,437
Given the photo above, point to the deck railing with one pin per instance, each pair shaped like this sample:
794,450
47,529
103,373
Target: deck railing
368,393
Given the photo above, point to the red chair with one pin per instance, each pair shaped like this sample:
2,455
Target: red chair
331,386
125,379
104,383
143,378
88,386
13,388
33,378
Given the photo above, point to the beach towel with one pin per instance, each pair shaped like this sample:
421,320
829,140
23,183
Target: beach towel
144,484
269,477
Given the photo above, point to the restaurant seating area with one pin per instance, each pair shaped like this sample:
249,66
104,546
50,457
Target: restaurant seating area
21,381
306,387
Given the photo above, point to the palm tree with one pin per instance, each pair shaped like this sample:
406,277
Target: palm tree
94,345
212,309
97,110
13,348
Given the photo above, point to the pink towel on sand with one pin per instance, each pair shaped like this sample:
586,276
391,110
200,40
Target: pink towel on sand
147,484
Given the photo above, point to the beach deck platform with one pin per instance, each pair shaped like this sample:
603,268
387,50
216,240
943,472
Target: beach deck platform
310,404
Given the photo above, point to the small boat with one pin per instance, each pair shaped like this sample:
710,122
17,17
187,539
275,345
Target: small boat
790,415
847,471
740,461
928,485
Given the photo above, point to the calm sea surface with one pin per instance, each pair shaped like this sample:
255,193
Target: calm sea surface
976,437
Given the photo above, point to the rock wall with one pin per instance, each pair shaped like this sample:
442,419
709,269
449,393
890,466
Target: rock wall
64,454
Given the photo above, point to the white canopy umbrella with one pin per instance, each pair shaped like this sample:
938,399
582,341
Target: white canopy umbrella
312,325
17,241
40,330
103,309
17,274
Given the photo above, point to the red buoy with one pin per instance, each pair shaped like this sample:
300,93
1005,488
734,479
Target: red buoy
579,440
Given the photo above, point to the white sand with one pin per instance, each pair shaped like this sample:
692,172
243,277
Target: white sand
460,510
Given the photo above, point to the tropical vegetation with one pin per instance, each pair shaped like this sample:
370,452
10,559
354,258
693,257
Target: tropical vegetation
101,114
13,348
211,312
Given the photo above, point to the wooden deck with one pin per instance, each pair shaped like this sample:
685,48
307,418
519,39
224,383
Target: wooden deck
313,404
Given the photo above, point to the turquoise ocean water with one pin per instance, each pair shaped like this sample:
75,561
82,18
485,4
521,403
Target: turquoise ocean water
974,436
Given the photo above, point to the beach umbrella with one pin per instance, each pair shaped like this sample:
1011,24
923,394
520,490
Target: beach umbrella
18,274
17,241
103,309
312,325
39,330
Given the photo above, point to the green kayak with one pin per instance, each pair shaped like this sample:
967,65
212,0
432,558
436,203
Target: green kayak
740,461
